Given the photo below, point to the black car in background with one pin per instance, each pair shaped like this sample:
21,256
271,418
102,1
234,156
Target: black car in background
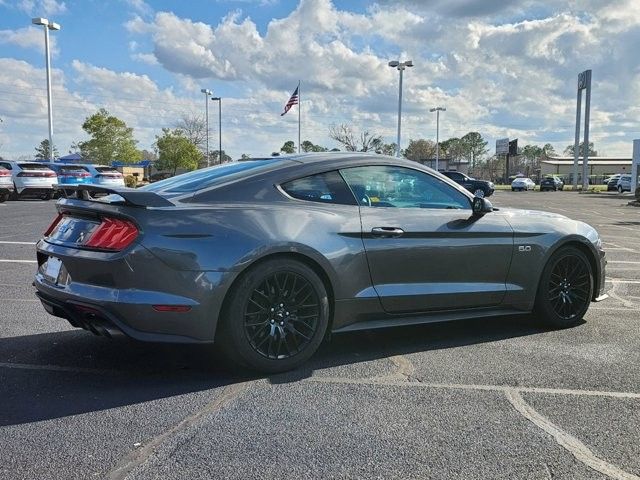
612,182
480,188
551,183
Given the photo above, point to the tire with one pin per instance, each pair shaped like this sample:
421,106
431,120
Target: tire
15,195
47,196
4,197
565,289
262,316
513,189
479,192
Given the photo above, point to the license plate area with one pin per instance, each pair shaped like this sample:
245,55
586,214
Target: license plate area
51,269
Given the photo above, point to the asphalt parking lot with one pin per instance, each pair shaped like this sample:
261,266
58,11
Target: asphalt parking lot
491,398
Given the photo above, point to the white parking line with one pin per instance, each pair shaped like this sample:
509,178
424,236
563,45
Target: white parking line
16,243
623,261
4,260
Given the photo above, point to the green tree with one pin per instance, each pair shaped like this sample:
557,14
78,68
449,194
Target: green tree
175,151
569,151
111,140
453,149
548,150
474,148
42,150
245,156
420,150
288,147
308,146
213,157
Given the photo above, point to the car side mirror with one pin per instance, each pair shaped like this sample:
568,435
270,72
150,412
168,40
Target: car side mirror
481,206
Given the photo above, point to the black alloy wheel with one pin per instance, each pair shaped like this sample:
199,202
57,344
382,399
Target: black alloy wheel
275,316
566,287
281,315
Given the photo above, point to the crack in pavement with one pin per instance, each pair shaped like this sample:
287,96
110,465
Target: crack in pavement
139,456
405,377
579,450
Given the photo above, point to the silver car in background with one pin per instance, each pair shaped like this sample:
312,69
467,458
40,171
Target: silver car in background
6,184
522,183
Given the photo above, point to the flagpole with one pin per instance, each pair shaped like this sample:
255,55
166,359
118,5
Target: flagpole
299,108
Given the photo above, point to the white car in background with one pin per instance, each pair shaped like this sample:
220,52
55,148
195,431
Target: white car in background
522,183
31,178
6,184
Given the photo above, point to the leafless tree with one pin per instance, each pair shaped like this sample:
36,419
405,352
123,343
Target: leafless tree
194,127
344,135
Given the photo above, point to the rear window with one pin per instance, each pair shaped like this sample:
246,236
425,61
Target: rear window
106,170
72,169
208,177
33,166
326,187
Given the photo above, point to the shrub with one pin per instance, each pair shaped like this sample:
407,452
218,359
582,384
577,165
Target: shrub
130,181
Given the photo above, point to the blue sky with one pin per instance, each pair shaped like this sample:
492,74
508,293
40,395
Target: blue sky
503,68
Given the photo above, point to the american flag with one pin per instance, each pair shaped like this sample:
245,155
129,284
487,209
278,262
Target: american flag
292,101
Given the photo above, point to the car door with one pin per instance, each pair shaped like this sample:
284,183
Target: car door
425,249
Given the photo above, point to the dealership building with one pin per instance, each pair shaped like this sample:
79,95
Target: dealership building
599,167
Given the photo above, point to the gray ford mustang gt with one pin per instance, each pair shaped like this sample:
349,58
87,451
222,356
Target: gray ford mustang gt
265,257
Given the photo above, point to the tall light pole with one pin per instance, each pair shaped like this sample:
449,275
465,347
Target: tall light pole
400,66
207,94
437,110
219,100
48,26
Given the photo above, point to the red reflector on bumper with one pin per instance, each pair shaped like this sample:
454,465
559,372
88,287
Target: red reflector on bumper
172,308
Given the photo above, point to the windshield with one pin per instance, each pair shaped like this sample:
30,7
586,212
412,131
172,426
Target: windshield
207,177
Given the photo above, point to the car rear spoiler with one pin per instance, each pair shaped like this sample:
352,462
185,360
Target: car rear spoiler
137,198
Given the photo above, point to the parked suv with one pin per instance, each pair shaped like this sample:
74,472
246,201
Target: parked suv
551,183
31,178
624,183
612,182
6,184
480,188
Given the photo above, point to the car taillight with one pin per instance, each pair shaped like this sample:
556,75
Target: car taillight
112,234
5,173
53,225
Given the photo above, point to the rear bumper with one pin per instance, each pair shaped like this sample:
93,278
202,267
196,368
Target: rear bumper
117,294
99,310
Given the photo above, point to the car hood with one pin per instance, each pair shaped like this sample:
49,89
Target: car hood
517,212
554,225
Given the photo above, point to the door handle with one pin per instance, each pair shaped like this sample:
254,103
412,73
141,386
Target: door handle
387,232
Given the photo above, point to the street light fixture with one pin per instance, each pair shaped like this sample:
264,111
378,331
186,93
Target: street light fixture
401,67
219,100
47,25
437,110
207,94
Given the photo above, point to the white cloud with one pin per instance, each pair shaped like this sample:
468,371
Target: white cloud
27,37
42,7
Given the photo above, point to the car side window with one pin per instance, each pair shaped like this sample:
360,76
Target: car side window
6,165
386,186
328,187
